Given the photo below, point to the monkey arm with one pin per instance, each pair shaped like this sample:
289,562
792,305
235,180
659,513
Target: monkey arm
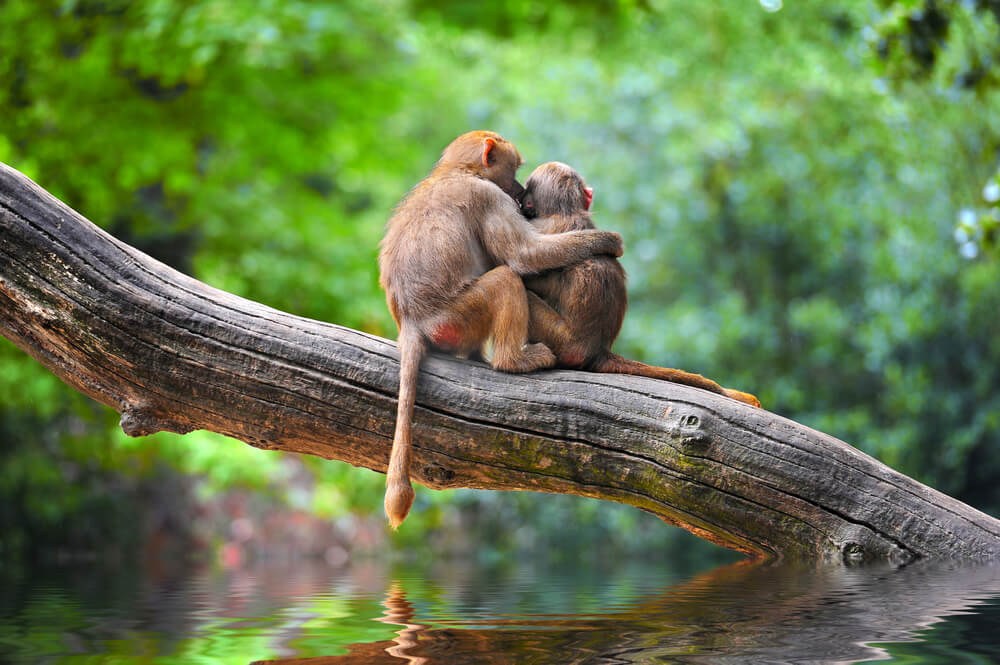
560,224
563,249
512,240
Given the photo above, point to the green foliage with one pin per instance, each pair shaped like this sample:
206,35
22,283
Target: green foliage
951,49
789,215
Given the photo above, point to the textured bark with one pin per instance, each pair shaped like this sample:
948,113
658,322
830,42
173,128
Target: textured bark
171,353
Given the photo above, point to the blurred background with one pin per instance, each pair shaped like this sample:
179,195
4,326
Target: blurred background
808,194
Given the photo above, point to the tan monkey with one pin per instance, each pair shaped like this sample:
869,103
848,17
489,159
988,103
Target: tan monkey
451,264
589,298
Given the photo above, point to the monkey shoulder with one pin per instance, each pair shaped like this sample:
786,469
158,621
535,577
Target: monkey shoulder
560,223
463,186
580,222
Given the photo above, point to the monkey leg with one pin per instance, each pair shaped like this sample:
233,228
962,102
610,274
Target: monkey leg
546,325
549,327
494,306
545,286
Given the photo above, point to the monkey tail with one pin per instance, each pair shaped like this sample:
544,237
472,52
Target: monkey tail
398,490
612,363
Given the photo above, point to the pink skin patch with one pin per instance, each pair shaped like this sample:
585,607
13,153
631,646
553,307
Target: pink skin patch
588,193
571,359
447,335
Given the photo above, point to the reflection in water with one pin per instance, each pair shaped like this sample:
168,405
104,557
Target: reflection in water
400,611
736,614
742,613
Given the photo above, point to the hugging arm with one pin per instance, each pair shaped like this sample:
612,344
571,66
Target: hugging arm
511,240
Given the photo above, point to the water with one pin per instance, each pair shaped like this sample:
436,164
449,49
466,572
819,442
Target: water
456,614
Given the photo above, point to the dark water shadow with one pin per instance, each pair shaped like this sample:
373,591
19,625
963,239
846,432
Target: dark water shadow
741,613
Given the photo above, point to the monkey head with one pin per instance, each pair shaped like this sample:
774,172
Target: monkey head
555,189
487,155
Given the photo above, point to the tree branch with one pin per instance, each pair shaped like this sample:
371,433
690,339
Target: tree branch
171,353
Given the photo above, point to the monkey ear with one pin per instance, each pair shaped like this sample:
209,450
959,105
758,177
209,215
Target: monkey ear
588,194
488,144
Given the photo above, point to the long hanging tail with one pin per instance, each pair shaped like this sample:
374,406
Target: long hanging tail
615,364
398,490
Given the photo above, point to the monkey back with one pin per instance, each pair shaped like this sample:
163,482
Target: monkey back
432,248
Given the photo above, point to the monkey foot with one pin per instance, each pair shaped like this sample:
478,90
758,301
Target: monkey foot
531,357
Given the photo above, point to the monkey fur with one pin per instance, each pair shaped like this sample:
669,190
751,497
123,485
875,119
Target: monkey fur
451,264
584,304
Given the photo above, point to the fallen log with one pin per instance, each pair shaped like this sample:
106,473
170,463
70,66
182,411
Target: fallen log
171,353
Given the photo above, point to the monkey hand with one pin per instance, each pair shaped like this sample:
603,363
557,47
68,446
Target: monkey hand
608,242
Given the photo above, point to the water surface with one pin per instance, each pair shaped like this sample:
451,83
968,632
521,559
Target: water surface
456,614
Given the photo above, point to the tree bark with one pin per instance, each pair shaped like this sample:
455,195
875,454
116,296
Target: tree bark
171,353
